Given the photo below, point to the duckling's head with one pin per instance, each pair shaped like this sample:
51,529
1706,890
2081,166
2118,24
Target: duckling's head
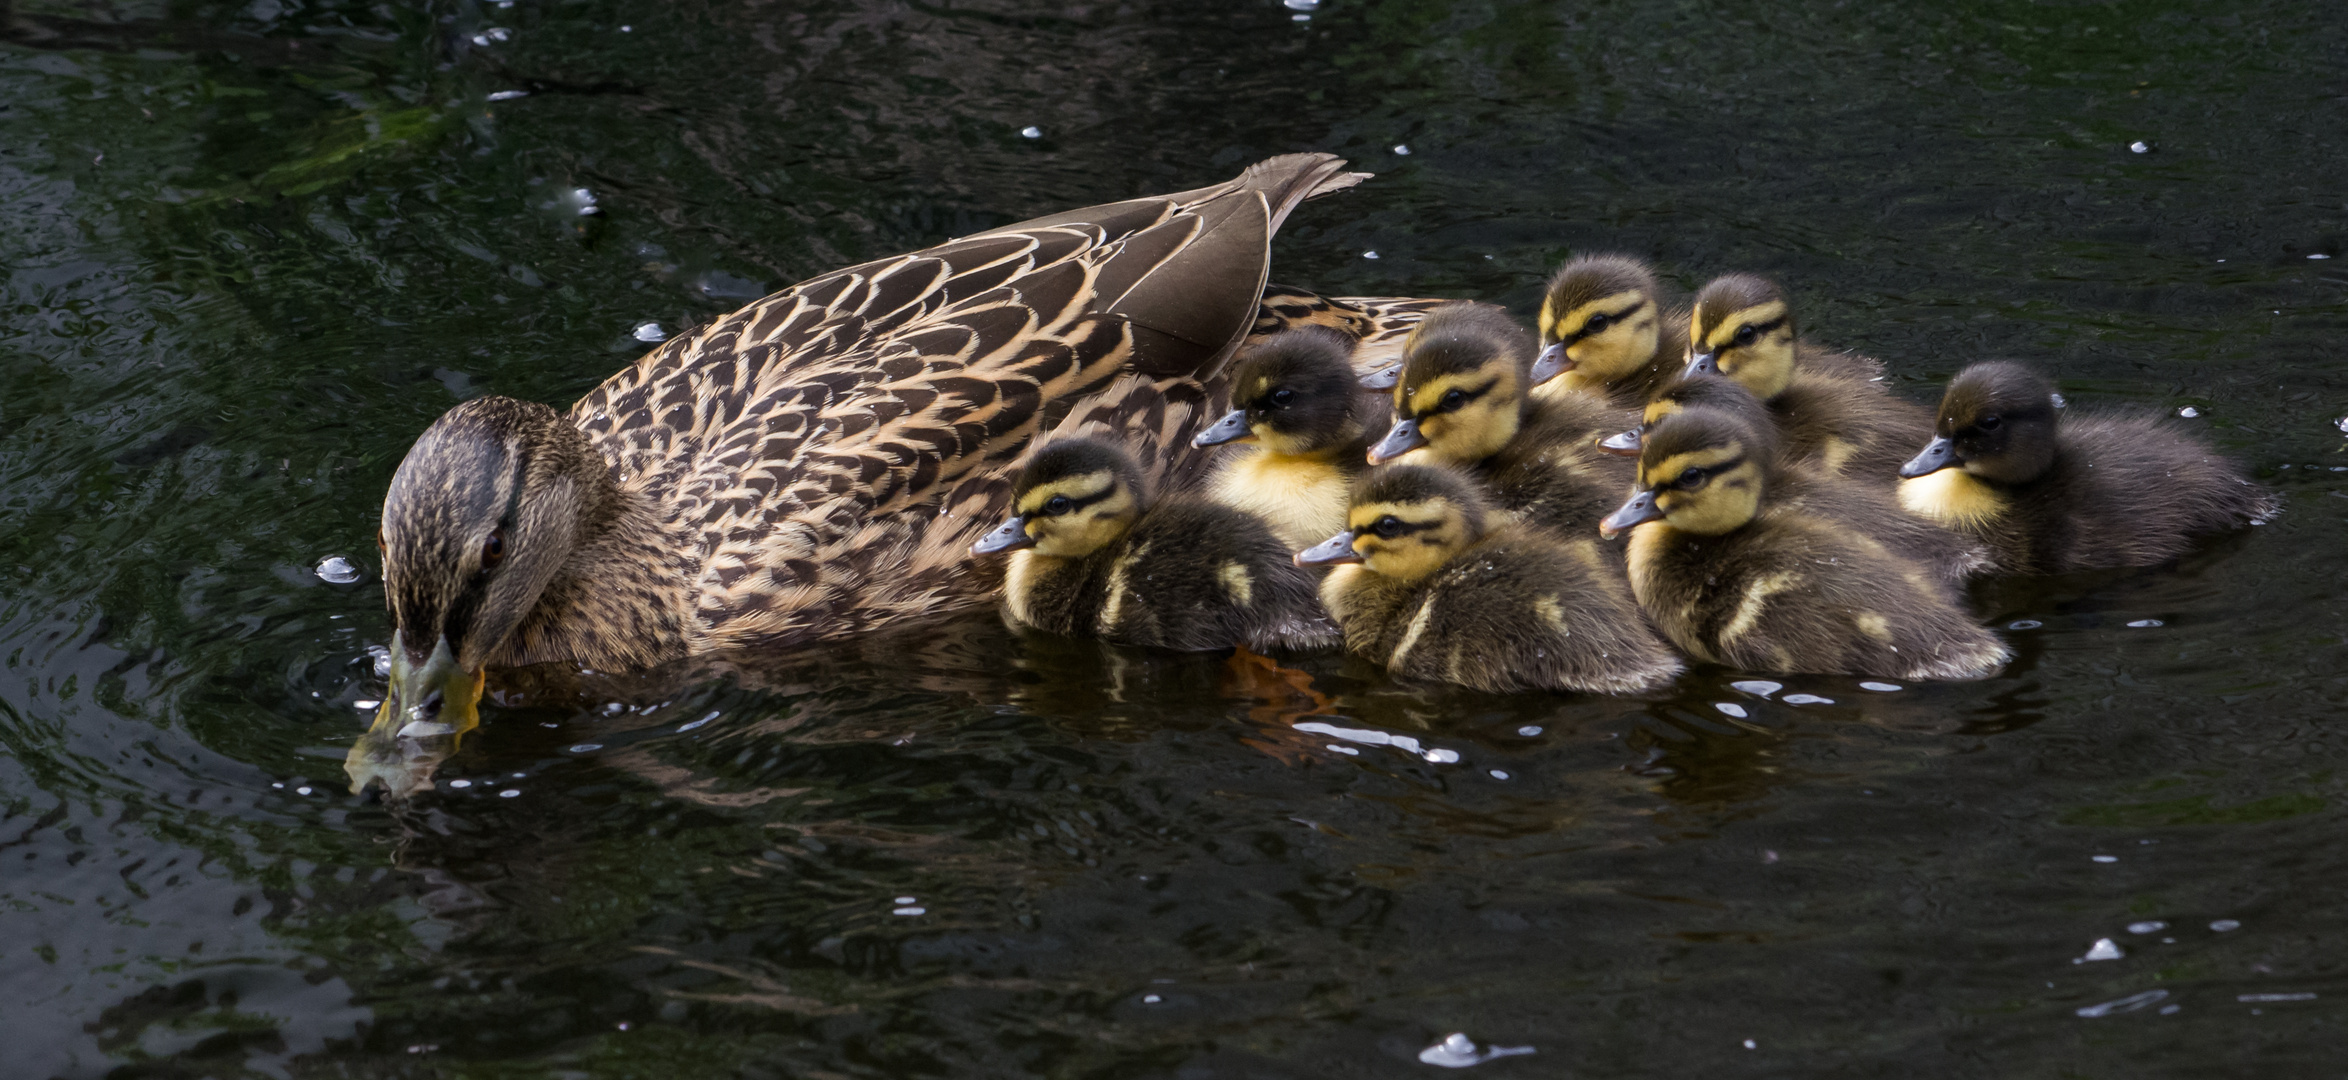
1294,394
485,509
1743,328
1997,422
1701,470
1689,392
1599,323
1075,497
1461,396
1405,521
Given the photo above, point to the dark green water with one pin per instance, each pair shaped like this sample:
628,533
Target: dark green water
251,250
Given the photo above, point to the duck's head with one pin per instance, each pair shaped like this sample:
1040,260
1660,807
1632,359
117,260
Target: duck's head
1997,422
1599,323
1461,396
1689,392
1405,521
1075,497
1294,394
487,507
1743,328
1701,470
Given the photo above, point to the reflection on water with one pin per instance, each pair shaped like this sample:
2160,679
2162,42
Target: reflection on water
251,249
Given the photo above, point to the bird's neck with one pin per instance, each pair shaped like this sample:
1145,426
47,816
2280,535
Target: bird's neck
614,604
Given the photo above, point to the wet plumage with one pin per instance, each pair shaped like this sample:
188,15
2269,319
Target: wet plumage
1828,407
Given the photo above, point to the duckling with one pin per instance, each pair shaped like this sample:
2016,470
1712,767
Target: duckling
1604,331
2056,492
1462,400
1949,556
1734,576
1827,405
1437,586
1089,557
1294,396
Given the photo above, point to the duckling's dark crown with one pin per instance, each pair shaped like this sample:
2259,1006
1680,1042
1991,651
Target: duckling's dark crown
1411,484
1310,360
1729,294
1464,337
1997,387
1064,458
1595,277
1712,392
1694,430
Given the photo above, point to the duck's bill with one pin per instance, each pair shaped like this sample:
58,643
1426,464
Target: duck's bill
1623,443
426,709
1336,549
1382,379
1011,535
1550,364
1939,454
1403,439
1640,510
1231,428
1703,363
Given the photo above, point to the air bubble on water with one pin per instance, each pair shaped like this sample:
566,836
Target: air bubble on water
278,784
460,783
510,793
364,704
627,29
1401,150
1457,1051
2024,624
2058,399
1731,708
2224,925
2319,255
303,790
2189,412
1881,687
1031,132
585,748
1151,999
649,331
336,570
1806,699
2105,858
1757,687
909,910
1301,5
2140,147
2103,949
493,34
2145,624
1529,730
2128,1004
904,900
1499,774
1441,756
508,95
2147,927
1751,1045
1300,18
1369,254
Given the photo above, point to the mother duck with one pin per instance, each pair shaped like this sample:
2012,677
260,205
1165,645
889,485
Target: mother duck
819,462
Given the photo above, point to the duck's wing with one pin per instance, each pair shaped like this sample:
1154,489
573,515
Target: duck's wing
823,451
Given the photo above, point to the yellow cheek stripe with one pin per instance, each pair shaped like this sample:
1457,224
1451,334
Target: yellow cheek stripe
1726,329
1077,488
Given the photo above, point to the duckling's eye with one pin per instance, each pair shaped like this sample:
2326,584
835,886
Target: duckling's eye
1058,505
1692,479
1597,324
493,549
1451,401
1746,335
1388,527
1283,397
1988,423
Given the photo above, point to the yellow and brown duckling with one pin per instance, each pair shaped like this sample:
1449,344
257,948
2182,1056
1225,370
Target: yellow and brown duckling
1736,577
1090,557
1827,405
1867,507
1604,331
1463,400
1294,396
2052,492
1437,585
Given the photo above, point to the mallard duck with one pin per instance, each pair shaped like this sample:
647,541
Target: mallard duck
1378,325
1604,331
1828,406
1734,576
1462,400
817,463
1090,556
1441,588
1294,396
2051,492
1805,486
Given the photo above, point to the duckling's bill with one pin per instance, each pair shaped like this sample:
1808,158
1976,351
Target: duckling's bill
1336,549
432,699
1233,427
1384,378
1939,454
1703,363
1638,511
1011,535
1622,443
1550,364
1402,439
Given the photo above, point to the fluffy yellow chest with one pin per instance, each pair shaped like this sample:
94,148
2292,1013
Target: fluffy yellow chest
1019,586
1302,499
1952,497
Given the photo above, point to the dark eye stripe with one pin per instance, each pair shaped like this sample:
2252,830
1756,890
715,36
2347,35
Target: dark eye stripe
1611,319
1465,397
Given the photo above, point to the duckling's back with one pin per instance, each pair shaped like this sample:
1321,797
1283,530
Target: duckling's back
1194,575
2126,490
1850,426
1553,475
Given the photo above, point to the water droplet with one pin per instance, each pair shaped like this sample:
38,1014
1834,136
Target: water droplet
627,29
2301,996
1401,150
2140,147
2128,1004
336,570
1757,687
2105,858
510,793
585,748
279,785
2104,949
2058,399
2189,412
1300,18
1806,699
649,331
2224,925
1498,774
1457,1051
2319,256
2024,624
1529,730
508,95
2147,927
1881,687
1442,757
1369,254
903,900
460,783
1302,5
303,790
909,911
1151,999
1730,708
2144,624
364,704
1031,132
1751,1045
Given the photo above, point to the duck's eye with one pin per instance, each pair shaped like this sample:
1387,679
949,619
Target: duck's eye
1597,324
1988,423
493,549
1746,335
1452,400
1283,397
1388,527
1058,505
1692,479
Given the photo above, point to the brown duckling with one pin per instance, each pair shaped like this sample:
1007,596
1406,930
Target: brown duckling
1090,558
1462,400
1734,576
2052,492
1440,587
1828,406
1604,331
1294,397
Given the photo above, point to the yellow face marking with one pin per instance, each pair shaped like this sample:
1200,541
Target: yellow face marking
1431,533
1547,321
1476,430
1091,526
1722,503
1763,365
1617,350
1658,409
1952,497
